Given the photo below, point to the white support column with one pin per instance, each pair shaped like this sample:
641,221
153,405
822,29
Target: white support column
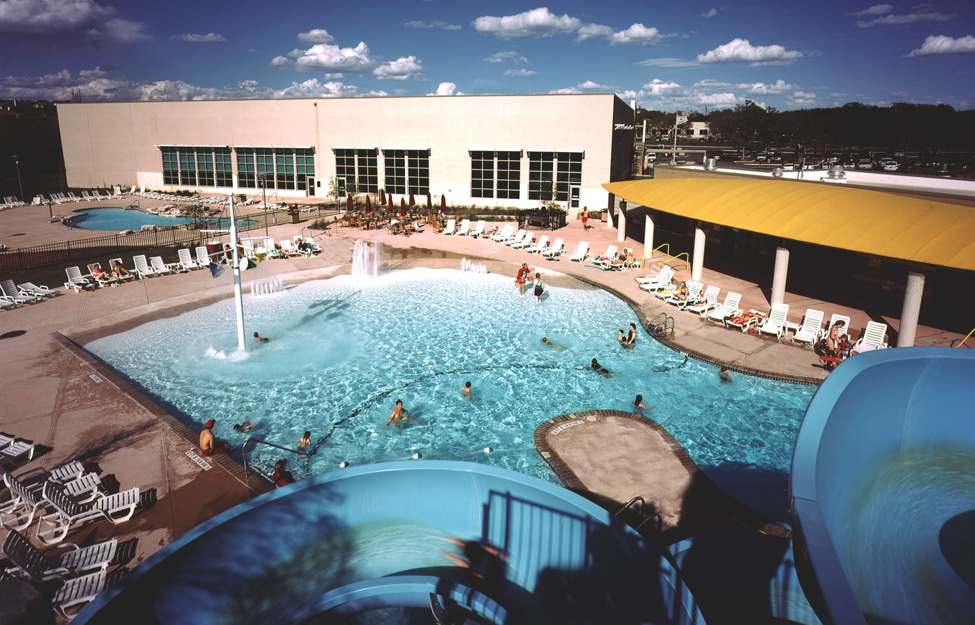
621,225
911,309
609,214
697,265
778,278
648,236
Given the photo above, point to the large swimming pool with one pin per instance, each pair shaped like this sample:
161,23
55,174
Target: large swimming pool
344,350
115,218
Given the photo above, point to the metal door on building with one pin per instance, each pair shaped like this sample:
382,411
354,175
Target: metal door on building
310,181
573,197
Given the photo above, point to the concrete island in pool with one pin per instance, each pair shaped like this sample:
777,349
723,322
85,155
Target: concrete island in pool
374,537
883,489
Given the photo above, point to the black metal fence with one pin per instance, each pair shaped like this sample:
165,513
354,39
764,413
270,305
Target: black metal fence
73,251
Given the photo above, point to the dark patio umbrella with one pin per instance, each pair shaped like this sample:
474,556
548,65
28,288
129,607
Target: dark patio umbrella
443,203
389,199
429,202
368,205
402,207
348,203
382,196
412,201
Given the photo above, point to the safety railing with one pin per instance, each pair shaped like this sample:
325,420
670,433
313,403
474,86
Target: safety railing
649,255
662,324
653,517
243,450
669,260
963,340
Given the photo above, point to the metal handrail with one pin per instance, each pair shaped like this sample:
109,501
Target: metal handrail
650,254
629,503
655,515
966,338
243,450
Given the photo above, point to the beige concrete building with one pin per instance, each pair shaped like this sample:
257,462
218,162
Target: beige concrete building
487,150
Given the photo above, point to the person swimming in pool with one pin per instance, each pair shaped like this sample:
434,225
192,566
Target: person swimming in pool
638,404
598,368
260,339
630,336
539,288
399,415
465,391
549,343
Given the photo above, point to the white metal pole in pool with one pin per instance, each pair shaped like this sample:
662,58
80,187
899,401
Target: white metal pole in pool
238,292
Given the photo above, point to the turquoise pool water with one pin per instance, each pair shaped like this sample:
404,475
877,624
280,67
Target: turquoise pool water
114,218
344,350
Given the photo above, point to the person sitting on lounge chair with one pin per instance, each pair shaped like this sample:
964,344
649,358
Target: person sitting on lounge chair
119,270
98,274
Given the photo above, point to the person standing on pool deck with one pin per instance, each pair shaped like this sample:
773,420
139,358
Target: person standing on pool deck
539,288
396,417
585,218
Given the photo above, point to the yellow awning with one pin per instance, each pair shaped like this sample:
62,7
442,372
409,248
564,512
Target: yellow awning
869,222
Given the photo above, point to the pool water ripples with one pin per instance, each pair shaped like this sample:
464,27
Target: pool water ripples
343,350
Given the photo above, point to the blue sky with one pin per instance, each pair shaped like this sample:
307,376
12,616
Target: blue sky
666,55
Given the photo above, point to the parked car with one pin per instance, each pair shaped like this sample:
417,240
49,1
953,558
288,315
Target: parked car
890,165
788,166
865,163
652,157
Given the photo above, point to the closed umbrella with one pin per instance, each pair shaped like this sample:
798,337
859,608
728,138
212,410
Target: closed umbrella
443,203
368,206
389,199
348,203
382,196
402,207
412,201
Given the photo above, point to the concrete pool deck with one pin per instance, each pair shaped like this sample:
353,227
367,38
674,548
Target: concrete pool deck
48,394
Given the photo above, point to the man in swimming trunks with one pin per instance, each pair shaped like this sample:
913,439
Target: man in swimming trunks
397,416
208,445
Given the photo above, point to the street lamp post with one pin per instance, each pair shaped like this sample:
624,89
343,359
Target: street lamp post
19,183
262,176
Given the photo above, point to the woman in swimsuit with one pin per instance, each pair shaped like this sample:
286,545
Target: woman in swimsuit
539,288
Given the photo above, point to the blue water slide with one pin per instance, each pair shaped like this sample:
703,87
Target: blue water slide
883,489
374,538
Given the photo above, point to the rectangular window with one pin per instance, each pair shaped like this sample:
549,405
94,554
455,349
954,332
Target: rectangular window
284,169
224,167
482,174
395,161
509,175
569,172
170,166
204,165
419,171
304,167
187,167
368,170
345,167
264,161
245,168
540,182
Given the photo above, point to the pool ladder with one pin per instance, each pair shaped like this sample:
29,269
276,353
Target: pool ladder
661,324
243,450
653,517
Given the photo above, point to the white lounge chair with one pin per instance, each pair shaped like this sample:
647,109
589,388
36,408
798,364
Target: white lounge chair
116,266
728,309
582,252
77,281
142,268
539,247
109,281
556,249
186,260
518,236
29,561
873,338
505,233
53,528
824,333
203,257
478,230
13,201
465,228
73,197
30,288
605,261
159,266
11,293
661,282
693,294
812,325
775,322
18,513
449,228
287,249
525,242
95,195
708,301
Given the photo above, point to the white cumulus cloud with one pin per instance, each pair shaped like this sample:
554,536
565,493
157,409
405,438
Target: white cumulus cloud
941,44
82,20
316,35
741,51
658,87
402,68
594,86
500,57
446,88
636,34
710,13
565,90
332,59
208,38
591,31
535,23
280,61
520,72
